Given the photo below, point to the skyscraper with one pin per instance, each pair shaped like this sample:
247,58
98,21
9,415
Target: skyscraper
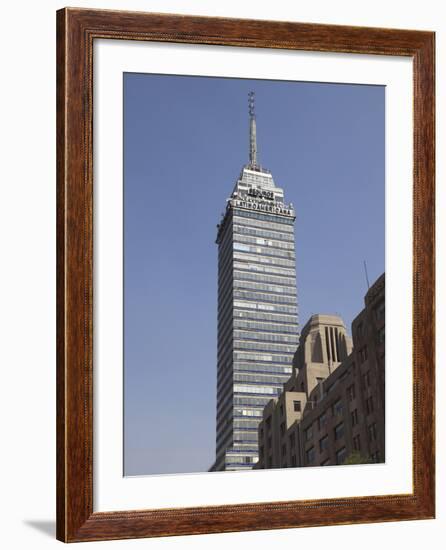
257,307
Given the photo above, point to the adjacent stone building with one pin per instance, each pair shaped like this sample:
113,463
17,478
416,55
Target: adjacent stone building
332,408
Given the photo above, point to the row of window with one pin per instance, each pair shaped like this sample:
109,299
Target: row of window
251,401
265,233
257,268
263,346
233,459
250,423
225,385
239,451
261,287
259,307
278,325
270,218
259,379
256,334
245,436
261,297
227,401
250,178
262,278
248,412
310,456
269,369
268,260
283,245
339,431
245,356
272,252
277,226
310,453
267,390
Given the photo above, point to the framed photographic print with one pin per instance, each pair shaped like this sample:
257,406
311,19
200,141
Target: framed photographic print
245,275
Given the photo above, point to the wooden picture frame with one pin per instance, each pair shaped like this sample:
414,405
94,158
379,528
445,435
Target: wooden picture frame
76,31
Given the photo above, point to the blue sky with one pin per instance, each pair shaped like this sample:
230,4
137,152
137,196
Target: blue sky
185,142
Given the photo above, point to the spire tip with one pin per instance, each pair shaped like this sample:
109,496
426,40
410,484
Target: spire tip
251,104
252,132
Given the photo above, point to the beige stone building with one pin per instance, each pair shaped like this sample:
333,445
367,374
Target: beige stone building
332,407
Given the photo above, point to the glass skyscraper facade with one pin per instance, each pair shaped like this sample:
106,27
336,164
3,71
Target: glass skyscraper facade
257,308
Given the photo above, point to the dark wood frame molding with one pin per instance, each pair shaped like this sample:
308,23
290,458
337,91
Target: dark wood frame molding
76,31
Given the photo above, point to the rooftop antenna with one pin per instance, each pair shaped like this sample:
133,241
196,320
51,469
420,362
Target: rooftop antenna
252,131
366,275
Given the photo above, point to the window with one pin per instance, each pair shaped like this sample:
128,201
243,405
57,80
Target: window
354,417
322,420
248,459
372,431
323,443
369,405
261,433
297,406
310,454
360,330
337,408
302,387
292,441
268,422
293,460
340,455
282,429
381,335
339,430
244,247
281,410
351,392
380,311
363,354
309,433
376,457
357,443
366,379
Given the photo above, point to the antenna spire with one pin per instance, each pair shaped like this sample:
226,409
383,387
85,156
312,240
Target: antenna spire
252,132
366,274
